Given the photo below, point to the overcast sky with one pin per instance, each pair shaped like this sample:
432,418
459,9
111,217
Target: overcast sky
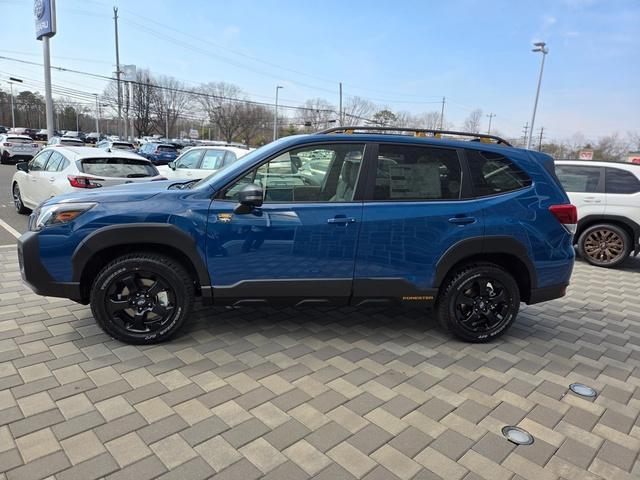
405,55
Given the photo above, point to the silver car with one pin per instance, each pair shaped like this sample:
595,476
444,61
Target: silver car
17,148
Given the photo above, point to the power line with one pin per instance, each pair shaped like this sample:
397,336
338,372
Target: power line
171,89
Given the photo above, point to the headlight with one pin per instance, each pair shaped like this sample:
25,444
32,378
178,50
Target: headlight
58,214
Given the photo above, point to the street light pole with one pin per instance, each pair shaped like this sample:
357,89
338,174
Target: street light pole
275,115
13,109
490,115
97,118
542,48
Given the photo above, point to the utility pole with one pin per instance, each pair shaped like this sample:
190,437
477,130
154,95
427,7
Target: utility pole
340,119
166,126
275,115
97,118
525,131
540,139
77,121
118,72
490,115
442,113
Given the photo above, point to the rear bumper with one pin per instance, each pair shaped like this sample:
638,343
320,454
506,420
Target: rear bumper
36,276
539,295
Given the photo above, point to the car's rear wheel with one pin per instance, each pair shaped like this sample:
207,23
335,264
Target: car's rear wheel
17,200
479,302
142,298
604,245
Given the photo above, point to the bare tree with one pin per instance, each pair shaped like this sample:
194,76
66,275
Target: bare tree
223,103
357,110
317,115
171,100
429,120
255,122
473,121
143,100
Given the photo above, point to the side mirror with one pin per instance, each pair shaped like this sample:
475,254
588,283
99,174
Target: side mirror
22,166
249,197
172,165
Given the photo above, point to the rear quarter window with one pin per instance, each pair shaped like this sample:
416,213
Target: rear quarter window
118,167
493,173
621,181
579,179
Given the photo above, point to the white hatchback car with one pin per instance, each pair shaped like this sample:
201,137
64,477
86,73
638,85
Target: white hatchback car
57,170
607,195
17,148
199,162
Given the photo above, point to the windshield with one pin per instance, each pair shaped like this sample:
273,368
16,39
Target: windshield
118,167
122,146
19,140
166,148
69,141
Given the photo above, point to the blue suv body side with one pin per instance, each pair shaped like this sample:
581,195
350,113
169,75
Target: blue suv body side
370,251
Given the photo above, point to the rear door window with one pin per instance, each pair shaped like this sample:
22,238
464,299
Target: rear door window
407,172
493,173
620,181
579,179
213,159
54,162
118,167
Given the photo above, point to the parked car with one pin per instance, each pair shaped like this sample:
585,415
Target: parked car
607,196
63,170
3,129
468,228
42,135
16,148
159,153
30,132
110,145
93,137
199,162
65,141
74,134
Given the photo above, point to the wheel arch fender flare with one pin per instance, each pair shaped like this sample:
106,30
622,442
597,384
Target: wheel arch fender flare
473,247
131,234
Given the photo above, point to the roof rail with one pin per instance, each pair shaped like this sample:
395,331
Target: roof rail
417,132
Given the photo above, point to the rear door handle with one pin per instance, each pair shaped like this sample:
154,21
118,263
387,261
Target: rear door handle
462,220
592,200
341,220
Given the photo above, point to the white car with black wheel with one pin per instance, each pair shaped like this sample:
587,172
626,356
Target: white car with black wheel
199,162
607,196
57,170
17,148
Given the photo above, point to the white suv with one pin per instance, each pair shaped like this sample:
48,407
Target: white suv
607,195
17,148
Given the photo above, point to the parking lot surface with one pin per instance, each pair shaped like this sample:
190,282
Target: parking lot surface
328,394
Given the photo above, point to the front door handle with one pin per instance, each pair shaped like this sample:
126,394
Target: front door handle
341,220
462,220
52,179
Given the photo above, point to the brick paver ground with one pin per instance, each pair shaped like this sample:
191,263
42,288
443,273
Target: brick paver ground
326,394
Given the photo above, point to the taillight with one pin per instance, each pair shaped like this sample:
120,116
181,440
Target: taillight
567,215
79,181
7,144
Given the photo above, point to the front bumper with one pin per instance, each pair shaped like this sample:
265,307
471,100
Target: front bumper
36,276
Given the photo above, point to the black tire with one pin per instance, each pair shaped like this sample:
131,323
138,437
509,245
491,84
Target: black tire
142,298
479,302
17,200
604,245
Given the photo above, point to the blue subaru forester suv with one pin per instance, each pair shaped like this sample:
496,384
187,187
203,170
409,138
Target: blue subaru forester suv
348,216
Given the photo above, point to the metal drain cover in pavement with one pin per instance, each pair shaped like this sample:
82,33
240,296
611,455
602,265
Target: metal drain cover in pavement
517,435
582,390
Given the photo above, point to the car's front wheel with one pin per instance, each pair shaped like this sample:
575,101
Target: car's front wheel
142,298
17,200
604,245
479,302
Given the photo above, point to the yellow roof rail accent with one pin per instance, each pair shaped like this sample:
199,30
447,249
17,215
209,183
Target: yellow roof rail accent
437,135
419,134
348,132
485,140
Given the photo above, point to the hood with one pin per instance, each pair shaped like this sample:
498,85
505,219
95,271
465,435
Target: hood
128,192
